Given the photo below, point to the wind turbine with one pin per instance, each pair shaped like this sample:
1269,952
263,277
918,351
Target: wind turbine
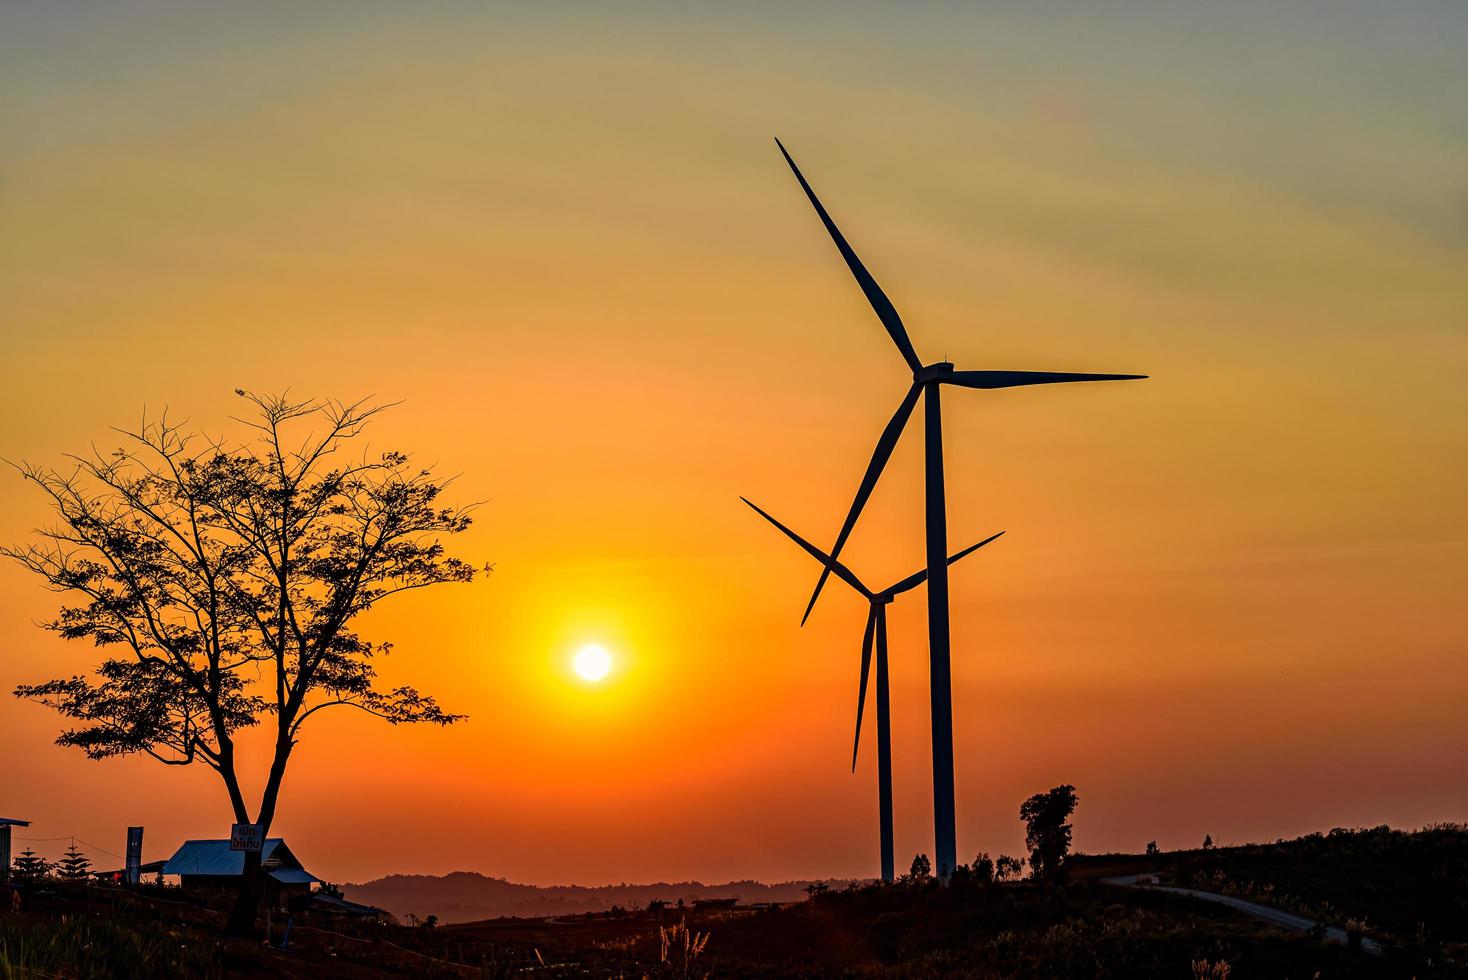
876,626
926,380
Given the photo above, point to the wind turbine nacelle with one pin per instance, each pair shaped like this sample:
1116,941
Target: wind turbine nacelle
934,372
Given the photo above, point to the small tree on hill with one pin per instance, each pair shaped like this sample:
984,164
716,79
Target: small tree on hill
1047,829
29,868
984,868
1207,842
74,865
1006,867
921,870
1152,850
226,581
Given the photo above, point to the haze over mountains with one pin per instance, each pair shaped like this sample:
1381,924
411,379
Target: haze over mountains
467,896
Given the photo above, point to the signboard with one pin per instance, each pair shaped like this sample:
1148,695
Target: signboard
245,837
134,853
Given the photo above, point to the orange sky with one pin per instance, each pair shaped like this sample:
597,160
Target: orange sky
1230,598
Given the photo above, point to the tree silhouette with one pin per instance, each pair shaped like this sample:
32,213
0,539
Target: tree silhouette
1047,832
921,870
29,868
984,868
1207,842
229,578
74,865
1006,867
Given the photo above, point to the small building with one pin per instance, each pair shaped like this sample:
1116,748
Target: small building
209,865
5,824
336,907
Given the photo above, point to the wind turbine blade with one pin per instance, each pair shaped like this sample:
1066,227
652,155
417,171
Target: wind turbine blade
866,668
885,311
918,578
972,548
1016,379
883,452
845,574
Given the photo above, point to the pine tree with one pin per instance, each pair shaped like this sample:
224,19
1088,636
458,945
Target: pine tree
74,865
29,868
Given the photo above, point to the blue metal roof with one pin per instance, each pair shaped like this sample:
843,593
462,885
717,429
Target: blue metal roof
293,876
213,857
331,902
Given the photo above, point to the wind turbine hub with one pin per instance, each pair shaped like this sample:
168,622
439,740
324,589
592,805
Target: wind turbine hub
883,599
934,372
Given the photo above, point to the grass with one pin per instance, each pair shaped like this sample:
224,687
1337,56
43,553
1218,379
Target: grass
103,946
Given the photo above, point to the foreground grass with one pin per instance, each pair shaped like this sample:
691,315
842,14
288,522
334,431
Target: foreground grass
118,945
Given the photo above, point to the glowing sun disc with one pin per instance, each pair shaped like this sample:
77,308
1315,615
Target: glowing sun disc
592,663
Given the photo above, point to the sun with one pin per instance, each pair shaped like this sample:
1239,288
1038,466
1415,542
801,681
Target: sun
592,663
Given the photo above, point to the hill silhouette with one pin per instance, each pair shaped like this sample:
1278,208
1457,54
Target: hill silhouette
468,896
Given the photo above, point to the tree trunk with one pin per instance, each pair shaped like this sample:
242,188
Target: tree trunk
241,922
252,883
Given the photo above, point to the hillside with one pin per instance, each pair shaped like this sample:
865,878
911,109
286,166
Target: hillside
466,896
915,931
1410,887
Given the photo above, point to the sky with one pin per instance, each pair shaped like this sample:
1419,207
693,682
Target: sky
1229,598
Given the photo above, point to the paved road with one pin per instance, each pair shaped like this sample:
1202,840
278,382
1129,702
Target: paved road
1271,915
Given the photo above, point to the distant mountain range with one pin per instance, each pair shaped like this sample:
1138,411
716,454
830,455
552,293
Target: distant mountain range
467,896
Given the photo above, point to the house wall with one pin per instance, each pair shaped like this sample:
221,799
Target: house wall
230,883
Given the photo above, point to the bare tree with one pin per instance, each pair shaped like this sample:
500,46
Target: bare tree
224,581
